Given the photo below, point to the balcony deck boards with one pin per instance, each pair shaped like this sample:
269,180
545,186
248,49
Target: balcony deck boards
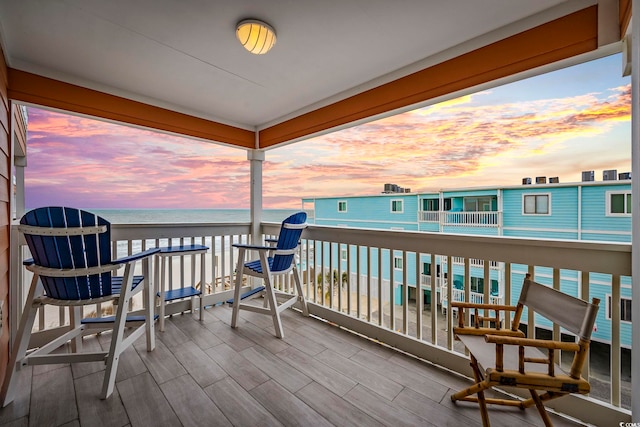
209,374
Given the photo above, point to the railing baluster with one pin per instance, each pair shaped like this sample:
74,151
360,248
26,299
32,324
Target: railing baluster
392,302
420,299
615,340
380,289
556,327
584,294
405,295
531,324
340,281
434,292
368,249
358,291
322,273
331,278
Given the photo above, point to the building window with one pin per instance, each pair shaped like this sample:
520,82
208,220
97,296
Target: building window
396,206
426,269
619,203
478,204
342,206
343,254
625,309
431,205
536,204
397,262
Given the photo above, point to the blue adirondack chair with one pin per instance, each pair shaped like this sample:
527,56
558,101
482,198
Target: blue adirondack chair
72,267
272,261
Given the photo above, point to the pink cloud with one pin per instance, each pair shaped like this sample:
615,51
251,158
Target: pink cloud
88,163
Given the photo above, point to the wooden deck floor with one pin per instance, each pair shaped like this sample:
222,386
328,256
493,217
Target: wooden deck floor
207,374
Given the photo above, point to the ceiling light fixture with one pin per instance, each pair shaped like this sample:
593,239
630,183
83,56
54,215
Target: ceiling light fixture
256,36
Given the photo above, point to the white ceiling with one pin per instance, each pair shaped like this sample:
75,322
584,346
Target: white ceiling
183,54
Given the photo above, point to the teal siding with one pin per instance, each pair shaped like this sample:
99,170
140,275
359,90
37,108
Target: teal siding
596,224
561,223
369,212
479,231
430,226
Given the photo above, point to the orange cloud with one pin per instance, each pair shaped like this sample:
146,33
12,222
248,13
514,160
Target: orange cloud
88,163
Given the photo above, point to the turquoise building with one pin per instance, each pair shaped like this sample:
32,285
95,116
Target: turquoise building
588,210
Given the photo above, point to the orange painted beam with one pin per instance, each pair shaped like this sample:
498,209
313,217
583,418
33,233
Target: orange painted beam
562,38
624,15
39,90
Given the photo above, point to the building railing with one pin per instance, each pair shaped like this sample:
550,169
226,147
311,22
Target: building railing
473,219
385,311
467,219
391,310
475,262
459,295
429,216
182,271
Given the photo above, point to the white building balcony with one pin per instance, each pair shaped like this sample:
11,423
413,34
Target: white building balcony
491,219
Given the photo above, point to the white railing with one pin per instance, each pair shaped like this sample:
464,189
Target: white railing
405,324
474,297
466,219
471,219
382,309
429,216
475,262
425,281
182,271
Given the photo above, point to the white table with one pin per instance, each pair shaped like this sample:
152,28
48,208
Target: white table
166,296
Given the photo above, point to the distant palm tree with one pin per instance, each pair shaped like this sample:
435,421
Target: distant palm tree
326,278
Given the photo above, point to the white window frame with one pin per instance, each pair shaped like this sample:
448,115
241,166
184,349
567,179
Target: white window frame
398,262
345,206
625,193
608,308
401,201
525,195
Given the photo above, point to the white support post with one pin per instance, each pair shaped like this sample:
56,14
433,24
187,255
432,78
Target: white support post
256,157
635,223
17,210
19,163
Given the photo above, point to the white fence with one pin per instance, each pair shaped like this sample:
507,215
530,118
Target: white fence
463,219
381,309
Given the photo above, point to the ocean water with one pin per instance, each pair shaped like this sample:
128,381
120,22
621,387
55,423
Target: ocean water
158,216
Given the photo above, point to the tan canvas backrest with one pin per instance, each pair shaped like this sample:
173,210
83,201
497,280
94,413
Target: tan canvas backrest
572,313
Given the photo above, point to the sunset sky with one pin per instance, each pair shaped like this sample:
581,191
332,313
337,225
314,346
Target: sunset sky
558,124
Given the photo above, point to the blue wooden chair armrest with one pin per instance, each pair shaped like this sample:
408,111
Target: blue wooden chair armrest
137,256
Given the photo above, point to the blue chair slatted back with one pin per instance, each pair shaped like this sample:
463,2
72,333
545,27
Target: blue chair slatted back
288,240
69,252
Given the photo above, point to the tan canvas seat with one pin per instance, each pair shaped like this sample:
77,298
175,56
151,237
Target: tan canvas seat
504,357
